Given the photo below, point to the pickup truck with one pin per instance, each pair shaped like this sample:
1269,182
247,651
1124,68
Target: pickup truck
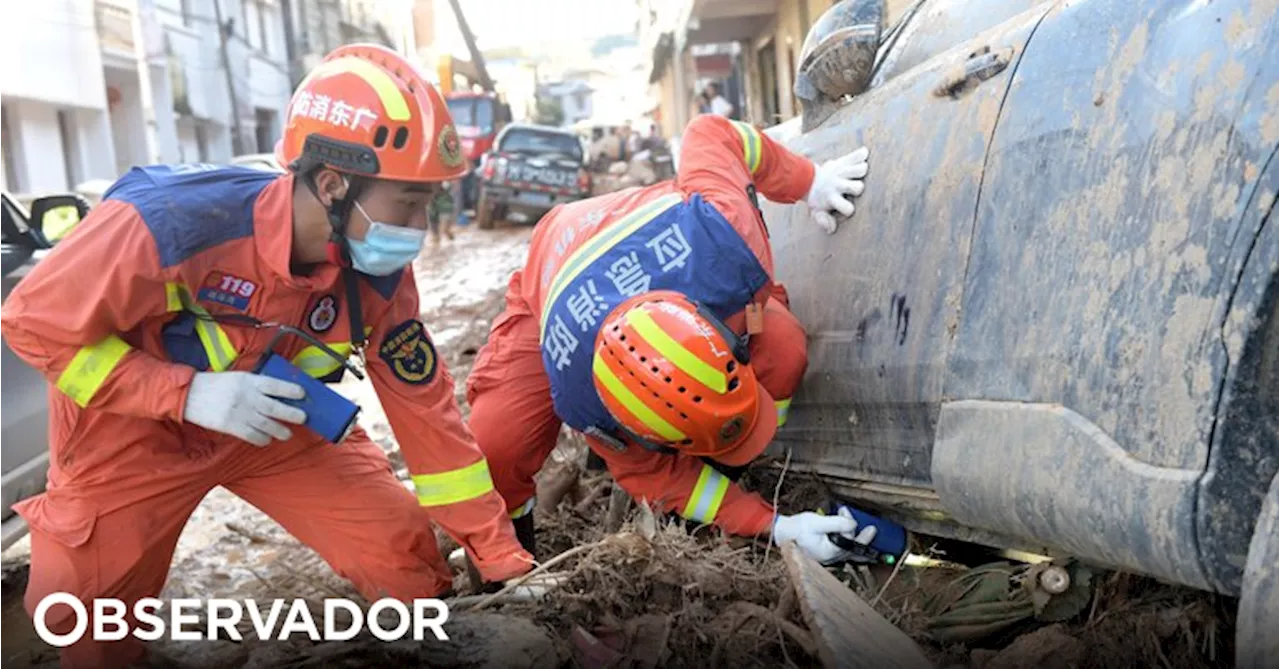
24,408
1051,323
532,169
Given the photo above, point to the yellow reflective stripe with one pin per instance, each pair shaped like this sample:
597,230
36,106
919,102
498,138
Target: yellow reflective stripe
750,145
454,486
381,82
173,297
589,252
90,367
681,357
708,493
217,346
783,407
633,404
524,509
318,364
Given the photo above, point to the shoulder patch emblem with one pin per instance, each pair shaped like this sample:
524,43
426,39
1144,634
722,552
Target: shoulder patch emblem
409,353
224,288
450,147
324,314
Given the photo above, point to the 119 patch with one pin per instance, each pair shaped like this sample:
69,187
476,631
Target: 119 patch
227,289
409,353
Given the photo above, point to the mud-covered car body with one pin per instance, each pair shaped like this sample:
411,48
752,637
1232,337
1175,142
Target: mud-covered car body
1051,322
24,444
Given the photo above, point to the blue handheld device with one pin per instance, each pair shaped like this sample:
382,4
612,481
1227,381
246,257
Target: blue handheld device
889,546
329,414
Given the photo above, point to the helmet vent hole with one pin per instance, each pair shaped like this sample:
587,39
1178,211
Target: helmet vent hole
631,348
684,415
666,379
654,370
670,405
697,398
380,136
643,359
731,366
402,137
623,337
687,442
733,383
681,389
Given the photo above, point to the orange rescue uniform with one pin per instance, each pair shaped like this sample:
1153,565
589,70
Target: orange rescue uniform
110,317
512,411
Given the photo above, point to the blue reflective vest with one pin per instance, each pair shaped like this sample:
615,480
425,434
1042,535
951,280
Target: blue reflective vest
666,244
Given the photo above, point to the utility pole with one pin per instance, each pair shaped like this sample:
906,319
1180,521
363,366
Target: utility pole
476,57
237,137
145,92
290,48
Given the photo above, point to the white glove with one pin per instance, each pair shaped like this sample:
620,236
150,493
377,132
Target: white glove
242,405
809,530
831,182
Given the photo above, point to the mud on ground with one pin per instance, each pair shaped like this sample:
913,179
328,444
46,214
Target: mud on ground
653,594
707,600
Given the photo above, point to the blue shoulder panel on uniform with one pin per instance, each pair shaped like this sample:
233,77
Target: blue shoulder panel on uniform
190,208
689,247
385,285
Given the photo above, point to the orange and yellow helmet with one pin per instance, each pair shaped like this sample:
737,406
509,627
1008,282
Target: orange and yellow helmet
366,110
673,375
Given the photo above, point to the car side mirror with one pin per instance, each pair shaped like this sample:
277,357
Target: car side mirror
53,216
837,58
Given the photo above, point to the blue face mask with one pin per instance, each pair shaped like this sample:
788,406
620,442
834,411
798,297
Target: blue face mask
385,249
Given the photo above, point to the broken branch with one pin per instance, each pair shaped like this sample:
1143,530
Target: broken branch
589,500
516,582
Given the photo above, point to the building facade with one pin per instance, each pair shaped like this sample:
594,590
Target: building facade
89,88
750,47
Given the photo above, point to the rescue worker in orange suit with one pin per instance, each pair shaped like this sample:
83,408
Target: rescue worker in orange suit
143,320
648,319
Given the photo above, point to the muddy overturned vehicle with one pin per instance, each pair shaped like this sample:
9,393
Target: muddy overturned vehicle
1051,323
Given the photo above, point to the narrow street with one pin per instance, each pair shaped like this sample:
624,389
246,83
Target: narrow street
935,334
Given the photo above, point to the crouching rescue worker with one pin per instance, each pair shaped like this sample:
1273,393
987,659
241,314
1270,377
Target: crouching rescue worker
648,319
148,321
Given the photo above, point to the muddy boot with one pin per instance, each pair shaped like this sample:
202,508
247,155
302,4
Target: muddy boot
478,585
525,533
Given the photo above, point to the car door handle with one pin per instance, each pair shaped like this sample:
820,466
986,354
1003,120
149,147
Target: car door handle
980,66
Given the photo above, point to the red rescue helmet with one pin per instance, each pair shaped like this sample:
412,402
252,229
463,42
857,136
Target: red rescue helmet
366,110
674,375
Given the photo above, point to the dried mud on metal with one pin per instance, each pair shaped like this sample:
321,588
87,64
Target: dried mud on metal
631,588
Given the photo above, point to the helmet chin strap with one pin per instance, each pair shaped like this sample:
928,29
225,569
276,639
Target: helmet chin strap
338,252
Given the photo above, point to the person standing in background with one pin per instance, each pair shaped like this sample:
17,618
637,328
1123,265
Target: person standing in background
440,213
716,103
